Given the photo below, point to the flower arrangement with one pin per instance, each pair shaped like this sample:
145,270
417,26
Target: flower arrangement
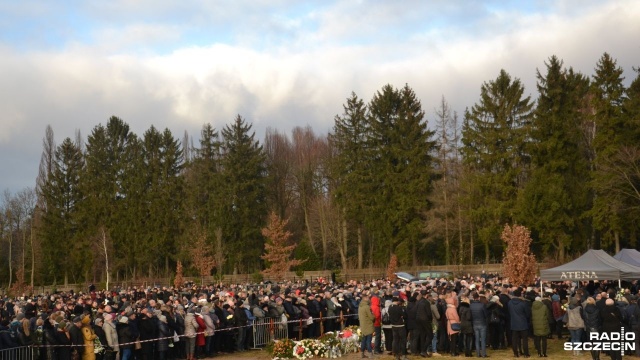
330,345
308,348
281,349
350,338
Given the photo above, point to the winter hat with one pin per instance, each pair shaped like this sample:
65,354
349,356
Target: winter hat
538,298
97,321
555,297
495,298
123,320
107,317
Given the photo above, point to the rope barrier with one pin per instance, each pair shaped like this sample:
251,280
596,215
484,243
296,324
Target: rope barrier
274,323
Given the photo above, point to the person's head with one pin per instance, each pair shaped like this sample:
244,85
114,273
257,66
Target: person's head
590,301
77,321
609,302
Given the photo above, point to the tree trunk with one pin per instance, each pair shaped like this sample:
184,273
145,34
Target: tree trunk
345,244
471,243
360,247
33,258
323,235
616,236
219,256
371,242
460,238
106,257
309,234
447,245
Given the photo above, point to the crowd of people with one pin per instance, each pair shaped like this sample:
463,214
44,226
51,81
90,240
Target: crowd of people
467,315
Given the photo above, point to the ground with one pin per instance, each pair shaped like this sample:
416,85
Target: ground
555,351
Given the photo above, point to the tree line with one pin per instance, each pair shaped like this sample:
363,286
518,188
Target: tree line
384,181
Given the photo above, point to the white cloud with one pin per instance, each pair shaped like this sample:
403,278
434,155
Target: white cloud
303,80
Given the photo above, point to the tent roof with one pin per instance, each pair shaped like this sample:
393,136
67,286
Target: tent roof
592,265
629,256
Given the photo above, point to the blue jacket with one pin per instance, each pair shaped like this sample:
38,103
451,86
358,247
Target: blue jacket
520,314
479,313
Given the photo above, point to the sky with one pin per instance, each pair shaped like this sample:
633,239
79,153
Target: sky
277,63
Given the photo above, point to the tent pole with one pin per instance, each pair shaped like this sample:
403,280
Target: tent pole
619,285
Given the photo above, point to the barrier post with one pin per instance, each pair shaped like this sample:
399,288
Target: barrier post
300,330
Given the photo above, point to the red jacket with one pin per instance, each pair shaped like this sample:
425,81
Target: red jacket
202,326
375,308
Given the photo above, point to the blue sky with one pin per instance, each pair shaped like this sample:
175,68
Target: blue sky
278,63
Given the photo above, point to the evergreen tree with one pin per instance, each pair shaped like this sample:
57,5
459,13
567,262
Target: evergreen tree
494,137
611,133
110,168
349,166
401,170
164,195
64,249
557,193
206,191
244,195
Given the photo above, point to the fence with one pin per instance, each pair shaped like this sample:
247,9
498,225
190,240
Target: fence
342,275
18,353
266,330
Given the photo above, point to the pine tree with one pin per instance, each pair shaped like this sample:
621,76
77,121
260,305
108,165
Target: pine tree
278,251
611,133
557,193
401,170
162,165
494,135
244,196
63,247
349,167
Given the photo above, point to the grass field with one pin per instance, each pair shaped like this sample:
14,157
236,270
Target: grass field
554,351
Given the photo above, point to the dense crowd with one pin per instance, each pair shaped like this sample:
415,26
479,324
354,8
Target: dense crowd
469,315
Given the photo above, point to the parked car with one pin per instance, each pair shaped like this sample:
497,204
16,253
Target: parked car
410,278
432,274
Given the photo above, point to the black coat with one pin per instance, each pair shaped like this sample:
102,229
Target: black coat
163,333
592,320
76,337
64,351
611,319
412,313
397,315
6,341
148,328
464,311
124,335
423,313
